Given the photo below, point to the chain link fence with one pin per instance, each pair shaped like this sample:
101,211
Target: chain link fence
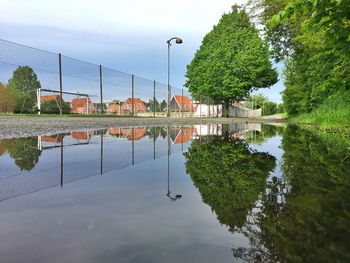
37,81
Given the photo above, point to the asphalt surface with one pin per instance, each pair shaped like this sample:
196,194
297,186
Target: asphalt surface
26,126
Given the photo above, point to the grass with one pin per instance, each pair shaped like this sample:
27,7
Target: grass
332,115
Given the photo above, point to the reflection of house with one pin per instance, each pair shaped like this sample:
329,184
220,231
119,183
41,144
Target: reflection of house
114,131
53,139
134,134
82,106
181,135
114,108
139,105
181,103
209,129
2,150
81,135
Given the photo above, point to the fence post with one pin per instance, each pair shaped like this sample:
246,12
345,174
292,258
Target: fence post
60,75
132,94
101,102
154,98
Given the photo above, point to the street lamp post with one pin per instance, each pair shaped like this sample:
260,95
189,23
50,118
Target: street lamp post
177,41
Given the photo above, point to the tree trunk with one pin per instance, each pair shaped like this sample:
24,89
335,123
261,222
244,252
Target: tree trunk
226,109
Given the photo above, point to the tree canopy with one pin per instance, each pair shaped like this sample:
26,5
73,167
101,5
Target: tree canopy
313,39
24,83
232,61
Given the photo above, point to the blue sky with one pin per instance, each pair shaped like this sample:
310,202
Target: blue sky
126,35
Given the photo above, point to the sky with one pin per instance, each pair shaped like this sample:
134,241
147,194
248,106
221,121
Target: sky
129,36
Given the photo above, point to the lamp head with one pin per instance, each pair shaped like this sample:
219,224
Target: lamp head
178,40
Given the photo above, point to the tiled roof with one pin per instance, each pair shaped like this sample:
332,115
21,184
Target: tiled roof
183,100
113,107
50,97
139,105
79,102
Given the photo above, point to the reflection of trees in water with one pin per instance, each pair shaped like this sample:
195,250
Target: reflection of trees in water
303,216
25,153
230,176
308,220
266,132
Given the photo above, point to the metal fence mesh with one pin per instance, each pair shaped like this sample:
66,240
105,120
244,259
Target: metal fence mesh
37,81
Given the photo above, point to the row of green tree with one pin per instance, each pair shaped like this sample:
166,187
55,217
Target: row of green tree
313,39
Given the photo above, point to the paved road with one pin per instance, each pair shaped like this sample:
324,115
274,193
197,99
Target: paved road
25,126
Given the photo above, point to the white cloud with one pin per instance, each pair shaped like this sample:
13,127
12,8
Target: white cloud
126,35
109,15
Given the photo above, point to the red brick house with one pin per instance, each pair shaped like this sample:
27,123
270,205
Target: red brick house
181,104
114,108
83,106
139,106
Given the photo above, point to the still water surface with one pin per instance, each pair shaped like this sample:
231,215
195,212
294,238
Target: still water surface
203,193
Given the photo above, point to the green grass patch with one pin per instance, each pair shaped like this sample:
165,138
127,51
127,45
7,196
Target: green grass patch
332,115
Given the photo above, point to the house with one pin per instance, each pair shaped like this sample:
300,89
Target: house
83,106
114,108
181,104
48,98
138,104
100,106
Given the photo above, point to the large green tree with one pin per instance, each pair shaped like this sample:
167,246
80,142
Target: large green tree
231,62
24,83
313,39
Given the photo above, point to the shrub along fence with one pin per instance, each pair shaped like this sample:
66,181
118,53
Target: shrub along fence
37,81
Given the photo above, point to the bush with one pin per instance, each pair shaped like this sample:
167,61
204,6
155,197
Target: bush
51,107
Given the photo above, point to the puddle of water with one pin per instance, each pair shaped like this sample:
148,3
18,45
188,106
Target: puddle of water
203,193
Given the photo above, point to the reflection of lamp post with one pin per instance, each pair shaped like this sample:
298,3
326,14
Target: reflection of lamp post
177,41
178,196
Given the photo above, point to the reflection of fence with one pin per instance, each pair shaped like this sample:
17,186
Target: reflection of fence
65,158
33,80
